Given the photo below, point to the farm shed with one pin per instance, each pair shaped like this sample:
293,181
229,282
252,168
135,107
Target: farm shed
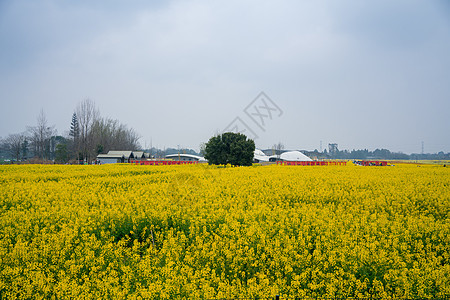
110,158
115,157
140,155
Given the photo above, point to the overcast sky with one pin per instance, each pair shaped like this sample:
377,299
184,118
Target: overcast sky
363,74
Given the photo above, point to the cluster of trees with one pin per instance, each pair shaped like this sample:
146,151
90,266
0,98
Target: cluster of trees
376,154
358,154
38,141
431,156
89,135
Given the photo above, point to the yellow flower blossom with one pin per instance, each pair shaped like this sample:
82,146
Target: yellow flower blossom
197,231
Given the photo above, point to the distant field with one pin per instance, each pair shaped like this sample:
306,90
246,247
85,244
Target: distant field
435,162
425,162
201,232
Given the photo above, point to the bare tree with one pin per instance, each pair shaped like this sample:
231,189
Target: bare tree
109,134
40,135
132,139
278,149
2,146
87,115
97,134
14,143
202,149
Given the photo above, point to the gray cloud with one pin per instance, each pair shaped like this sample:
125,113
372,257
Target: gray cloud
362,74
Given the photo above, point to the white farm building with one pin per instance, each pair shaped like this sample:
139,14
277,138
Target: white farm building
121,157
260,156
291,156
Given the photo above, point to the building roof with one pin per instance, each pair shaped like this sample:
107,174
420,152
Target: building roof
259,152
139,154
260,156
187,156
110,156
294,156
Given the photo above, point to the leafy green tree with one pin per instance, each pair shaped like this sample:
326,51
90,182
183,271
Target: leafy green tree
230,148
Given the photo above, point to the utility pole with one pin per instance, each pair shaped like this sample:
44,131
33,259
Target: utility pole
422,148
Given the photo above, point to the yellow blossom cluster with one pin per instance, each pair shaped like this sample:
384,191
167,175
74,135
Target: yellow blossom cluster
202,232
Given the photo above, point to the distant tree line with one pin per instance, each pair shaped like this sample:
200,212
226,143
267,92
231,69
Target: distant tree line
376,154
335,153
89,135
170,151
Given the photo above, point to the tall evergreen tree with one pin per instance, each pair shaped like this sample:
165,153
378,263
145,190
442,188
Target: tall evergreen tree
74,127
74,144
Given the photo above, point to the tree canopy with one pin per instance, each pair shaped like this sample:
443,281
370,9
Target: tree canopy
230,148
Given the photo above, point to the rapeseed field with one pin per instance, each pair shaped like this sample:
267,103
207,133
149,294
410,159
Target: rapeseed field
202,232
